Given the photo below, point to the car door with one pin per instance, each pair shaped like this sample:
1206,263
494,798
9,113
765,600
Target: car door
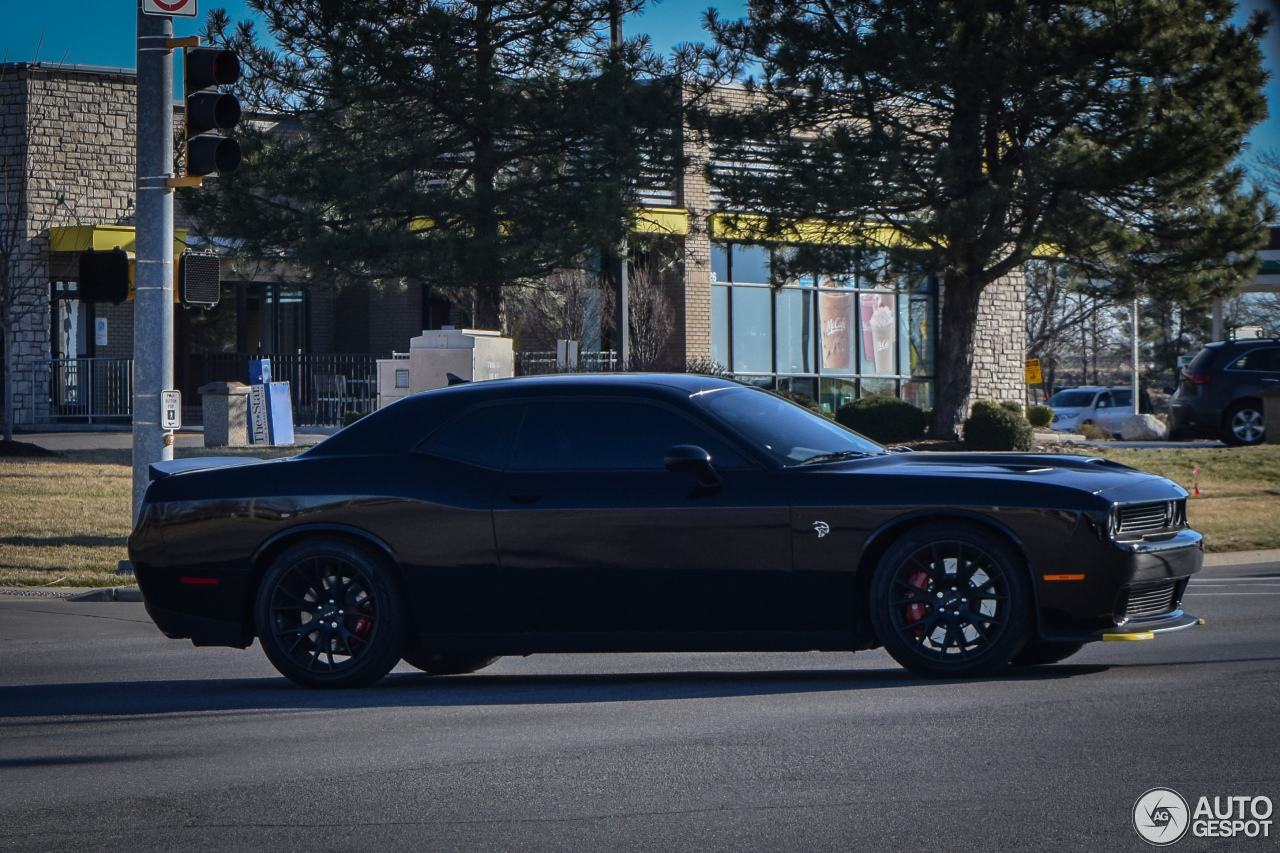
445,536
595,535
1119,409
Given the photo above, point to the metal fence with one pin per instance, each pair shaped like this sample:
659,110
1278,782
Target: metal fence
323,387
95,390
537,363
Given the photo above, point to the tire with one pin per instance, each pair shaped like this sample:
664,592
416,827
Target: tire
354,604
455,664
923,597
1038,653
1242,424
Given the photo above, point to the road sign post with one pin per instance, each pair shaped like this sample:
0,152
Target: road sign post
153,301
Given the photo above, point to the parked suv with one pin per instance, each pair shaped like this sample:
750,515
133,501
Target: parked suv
1218,391
1107,408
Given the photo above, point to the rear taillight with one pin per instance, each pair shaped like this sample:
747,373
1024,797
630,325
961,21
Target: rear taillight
1199,378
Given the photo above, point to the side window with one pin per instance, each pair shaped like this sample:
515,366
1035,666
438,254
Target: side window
482,436
609,436
1267,359
1121,398
1104,401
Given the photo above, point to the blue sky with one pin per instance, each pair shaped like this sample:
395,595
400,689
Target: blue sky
101,32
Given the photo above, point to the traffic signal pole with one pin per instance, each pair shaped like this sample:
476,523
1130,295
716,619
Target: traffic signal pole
153,280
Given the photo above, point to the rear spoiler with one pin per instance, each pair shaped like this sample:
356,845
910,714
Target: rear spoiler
160,470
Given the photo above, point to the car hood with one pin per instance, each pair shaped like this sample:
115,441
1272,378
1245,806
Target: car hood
1016,473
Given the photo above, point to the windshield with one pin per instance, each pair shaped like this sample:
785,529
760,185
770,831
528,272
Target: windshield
789,433
1070,399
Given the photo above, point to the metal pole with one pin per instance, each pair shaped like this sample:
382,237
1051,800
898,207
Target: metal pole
624,278
153,280
1136,400
1216,332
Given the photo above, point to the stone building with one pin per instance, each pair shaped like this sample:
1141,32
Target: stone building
834,335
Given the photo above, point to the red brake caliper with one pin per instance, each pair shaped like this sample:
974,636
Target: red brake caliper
916,612
361,629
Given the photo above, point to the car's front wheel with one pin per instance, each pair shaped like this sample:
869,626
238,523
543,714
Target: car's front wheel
329,615
1243,424
949,600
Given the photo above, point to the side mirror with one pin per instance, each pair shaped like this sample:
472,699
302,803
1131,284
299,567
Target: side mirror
691,458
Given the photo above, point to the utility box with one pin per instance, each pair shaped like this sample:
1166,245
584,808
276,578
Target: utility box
474,355
226,414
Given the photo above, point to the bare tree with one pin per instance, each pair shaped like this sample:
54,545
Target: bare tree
574,305
650,315
23,223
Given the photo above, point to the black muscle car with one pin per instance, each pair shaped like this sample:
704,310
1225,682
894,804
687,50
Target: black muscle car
652,512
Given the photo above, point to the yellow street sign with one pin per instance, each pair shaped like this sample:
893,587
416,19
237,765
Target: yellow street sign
1033,371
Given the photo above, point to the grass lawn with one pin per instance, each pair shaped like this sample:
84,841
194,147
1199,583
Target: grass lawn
1239,504
64,520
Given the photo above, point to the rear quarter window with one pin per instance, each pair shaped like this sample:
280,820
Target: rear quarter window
1202,362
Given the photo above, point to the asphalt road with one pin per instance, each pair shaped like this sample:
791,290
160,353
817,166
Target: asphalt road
113,738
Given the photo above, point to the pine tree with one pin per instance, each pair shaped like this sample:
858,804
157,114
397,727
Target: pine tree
981,133
463,143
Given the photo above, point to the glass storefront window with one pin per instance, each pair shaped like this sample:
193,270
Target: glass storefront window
752,329
719,262
837,392
720,324
919,319
919,392
795,331
835,316
878,324
750,264
879,387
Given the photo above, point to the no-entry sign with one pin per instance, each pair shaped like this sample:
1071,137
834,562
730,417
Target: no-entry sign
176,8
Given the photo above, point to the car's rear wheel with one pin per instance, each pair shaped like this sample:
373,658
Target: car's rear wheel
329,615
1243,424
1038,653
950,600
443,664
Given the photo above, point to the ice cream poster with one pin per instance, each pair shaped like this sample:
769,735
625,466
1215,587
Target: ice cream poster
835,311
879,331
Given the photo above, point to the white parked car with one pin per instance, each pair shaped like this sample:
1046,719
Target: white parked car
1108,408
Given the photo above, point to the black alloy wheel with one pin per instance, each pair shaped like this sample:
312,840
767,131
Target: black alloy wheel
950,600
446,664
329,615
1041,652
1244,424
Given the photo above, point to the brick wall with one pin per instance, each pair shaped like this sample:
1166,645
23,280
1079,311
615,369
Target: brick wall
999,341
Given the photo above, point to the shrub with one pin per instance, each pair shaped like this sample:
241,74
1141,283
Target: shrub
348,418
1092,432
992,427
1011,405
887,420
1040,416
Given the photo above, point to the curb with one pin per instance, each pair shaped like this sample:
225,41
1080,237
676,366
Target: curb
1240,558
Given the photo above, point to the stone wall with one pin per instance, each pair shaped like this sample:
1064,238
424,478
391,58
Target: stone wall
999,341
73,131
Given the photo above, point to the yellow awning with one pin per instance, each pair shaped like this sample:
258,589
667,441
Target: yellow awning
661,220
82,238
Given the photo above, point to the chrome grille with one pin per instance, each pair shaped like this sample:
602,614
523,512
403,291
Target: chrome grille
1150,599
1141,518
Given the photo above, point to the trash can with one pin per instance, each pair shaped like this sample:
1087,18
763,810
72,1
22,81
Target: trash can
226,414
1270,415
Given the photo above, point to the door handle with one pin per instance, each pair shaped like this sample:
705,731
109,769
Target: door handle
524,499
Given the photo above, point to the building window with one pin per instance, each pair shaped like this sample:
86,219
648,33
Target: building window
837,335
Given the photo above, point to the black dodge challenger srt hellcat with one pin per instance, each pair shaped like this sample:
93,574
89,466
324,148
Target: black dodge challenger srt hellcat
651,512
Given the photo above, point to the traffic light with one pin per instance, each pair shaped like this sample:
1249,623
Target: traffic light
104,276
199,280
207,110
